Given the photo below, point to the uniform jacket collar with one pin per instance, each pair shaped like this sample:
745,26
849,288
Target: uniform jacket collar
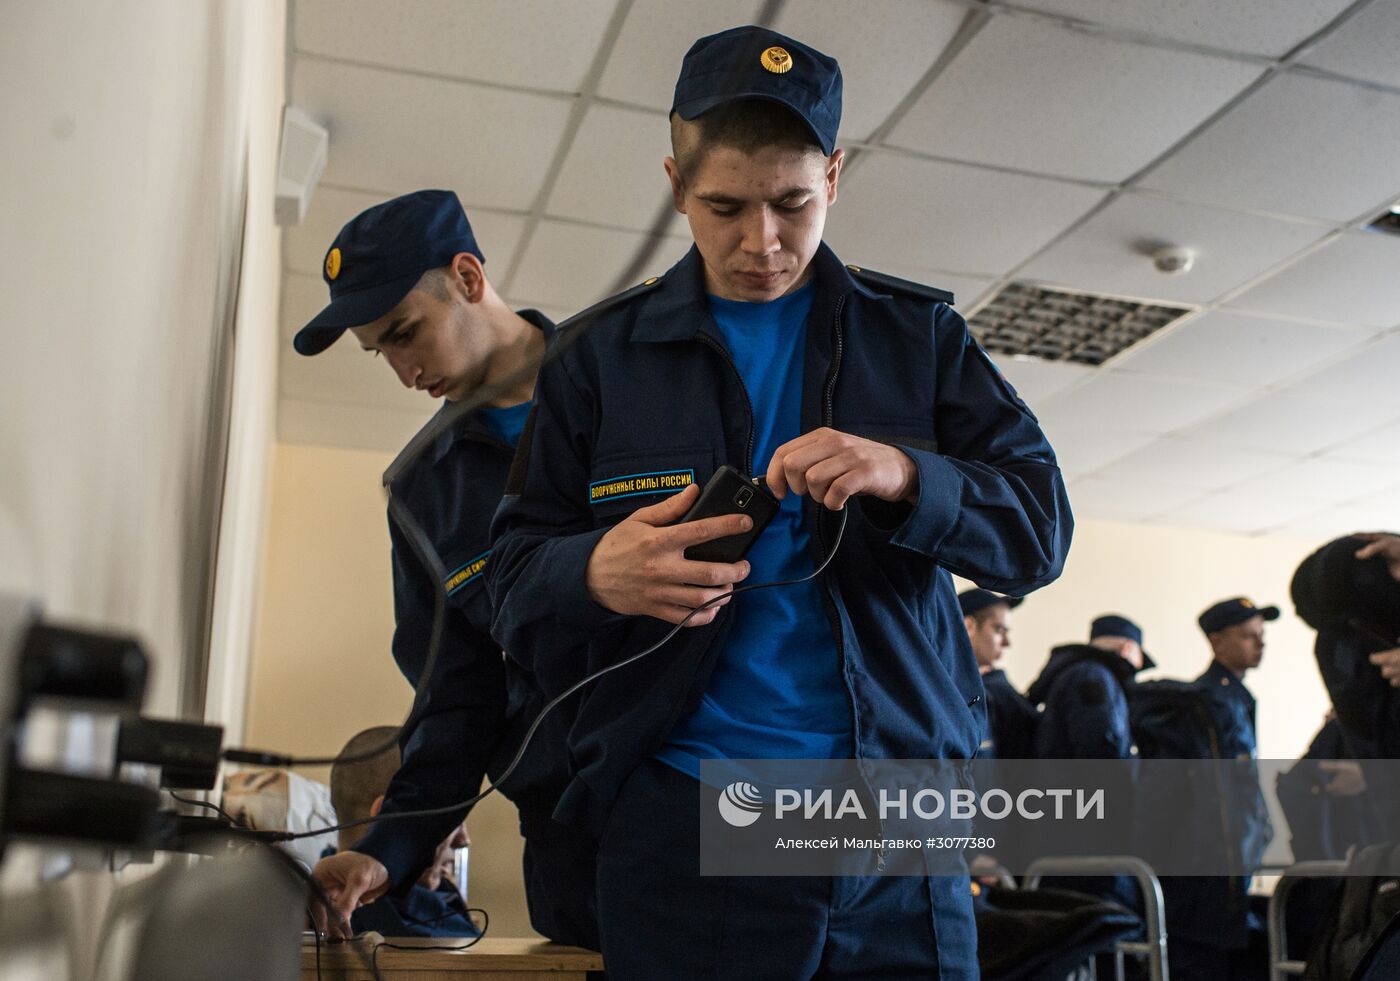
473,425
677,308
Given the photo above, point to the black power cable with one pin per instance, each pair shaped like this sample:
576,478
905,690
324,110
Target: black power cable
556,701
566,334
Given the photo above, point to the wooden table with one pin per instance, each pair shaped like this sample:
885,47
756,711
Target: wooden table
490,959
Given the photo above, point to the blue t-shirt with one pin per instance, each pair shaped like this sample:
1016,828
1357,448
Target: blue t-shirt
777,691
507,423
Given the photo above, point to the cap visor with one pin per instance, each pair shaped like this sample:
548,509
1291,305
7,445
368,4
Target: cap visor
1269,613
351,310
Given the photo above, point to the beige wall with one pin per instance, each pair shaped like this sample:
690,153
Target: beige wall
322,668
132,132
1162,578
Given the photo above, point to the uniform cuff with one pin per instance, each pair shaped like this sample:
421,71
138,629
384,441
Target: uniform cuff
923,525
569,567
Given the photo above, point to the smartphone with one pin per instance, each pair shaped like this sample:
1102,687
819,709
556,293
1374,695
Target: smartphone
730,492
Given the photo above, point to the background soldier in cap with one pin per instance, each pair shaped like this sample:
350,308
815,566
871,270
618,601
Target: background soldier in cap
1011,718
406,278
1083,689
1235,629
845,390
1083,694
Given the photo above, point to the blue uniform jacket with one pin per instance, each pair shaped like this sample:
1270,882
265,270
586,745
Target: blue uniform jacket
1085,717
647,400
476,707
1012,720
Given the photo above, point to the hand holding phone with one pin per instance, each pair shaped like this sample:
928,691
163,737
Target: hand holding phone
730,492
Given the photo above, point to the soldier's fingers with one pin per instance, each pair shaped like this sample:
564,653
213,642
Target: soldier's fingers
710,573
706,530
669,511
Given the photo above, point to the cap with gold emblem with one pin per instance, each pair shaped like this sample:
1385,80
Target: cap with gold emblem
756,63
379,255
1229,612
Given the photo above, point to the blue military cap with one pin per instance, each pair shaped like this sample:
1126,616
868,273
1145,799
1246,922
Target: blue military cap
974,601
1229,612
379,255
1113,625
756,63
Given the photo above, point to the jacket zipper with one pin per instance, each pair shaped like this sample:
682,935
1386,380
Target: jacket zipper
748,402
829,419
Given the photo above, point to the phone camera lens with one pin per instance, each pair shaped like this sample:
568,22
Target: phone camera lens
743,497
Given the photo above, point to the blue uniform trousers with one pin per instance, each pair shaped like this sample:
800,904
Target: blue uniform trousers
660,918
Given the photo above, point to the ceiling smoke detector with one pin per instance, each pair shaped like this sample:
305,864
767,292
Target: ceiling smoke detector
1066,325
1174,259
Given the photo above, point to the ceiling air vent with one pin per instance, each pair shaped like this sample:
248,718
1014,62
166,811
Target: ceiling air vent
1060,325
1388,222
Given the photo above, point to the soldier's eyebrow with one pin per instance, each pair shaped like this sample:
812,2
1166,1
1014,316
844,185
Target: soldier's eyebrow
386,333
714,197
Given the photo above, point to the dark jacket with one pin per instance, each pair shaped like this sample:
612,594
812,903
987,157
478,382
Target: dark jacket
1084,694
1011,720
477,705
648,389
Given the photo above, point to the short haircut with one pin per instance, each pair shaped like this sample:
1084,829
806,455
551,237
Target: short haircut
355,785
434,283
748,125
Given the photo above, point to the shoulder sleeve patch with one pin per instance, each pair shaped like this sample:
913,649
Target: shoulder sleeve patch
894,284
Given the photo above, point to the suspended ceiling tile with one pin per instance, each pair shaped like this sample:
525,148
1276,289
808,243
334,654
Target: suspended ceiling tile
1298,146
1112,251
346,373
537,44
303,297
1350,280
572,266
1065,103
1363,47
1241,349
1380,443
374,115
898,210
1084,451
1368,382
1182,462
1336,521
1135,403
305,245
1109,497
1326,478
1281,424
1036,381
613,173
1261,27
1246,514
655,36
883,46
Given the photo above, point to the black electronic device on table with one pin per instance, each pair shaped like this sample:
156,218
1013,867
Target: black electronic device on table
730,492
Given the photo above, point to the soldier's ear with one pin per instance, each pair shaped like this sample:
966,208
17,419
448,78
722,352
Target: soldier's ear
469,276
673,174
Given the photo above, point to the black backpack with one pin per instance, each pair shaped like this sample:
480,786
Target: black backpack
1179,720
1369,903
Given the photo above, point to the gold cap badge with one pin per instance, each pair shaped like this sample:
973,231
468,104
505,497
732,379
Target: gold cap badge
776,60
332,263
1246,604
